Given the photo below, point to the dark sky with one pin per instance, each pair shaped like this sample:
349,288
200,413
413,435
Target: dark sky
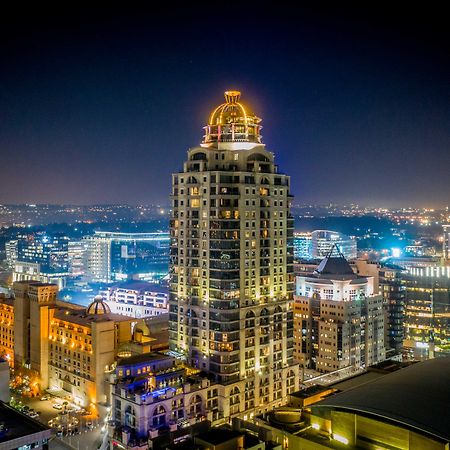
100,106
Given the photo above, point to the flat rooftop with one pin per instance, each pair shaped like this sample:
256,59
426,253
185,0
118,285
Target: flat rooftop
217,436
143,358
17,425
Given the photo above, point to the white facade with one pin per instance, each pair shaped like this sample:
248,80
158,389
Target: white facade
138,300
339,322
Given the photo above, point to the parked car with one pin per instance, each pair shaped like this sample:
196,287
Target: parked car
57,406
45,397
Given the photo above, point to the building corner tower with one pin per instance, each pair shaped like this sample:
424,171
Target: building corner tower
231,264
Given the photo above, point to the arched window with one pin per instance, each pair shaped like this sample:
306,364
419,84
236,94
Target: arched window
159,416
198,156
250,319
235,395
258,157
195,405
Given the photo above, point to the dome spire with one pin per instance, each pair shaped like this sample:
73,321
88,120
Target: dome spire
232,96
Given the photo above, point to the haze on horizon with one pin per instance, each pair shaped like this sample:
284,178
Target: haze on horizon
101,108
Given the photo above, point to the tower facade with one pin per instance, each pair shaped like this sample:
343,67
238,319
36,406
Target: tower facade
339,322
231,259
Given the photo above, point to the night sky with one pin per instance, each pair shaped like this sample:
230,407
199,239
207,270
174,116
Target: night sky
100,106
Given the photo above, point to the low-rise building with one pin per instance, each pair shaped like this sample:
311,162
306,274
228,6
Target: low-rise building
62,346
152,392
137,299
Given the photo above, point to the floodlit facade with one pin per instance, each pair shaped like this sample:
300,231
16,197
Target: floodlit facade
114,256
7,329
63,347
231,263
339,322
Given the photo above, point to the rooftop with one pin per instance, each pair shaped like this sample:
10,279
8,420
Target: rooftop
143,358
80,317
416,397
17,425
216,436
141,286
335,265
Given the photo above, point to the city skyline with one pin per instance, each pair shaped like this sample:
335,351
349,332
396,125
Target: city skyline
355,104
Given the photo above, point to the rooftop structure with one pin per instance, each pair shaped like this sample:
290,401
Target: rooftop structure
393,402
231,122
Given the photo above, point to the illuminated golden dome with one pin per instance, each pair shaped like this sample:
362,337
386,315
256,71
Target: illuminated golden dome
98,306
230,122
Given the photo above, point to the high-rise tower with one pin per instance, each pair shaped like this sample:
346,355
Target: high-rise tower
231,266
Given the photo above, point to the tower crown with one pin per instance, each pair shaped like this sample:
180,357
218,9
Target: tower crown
231,122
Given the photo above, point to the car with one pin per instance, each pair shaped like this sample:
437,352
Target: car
89,425
57,406
45,397
33,415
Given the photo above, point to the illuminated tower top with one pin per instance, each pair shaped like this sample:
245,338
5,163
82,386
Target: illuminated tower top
230,122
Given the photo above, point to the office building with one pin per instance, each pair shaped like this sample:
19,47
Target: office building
427,315
76,251
302,246
339,321
11,252
137,299
231,263
323,240
114,256
42,257
388,281
446,244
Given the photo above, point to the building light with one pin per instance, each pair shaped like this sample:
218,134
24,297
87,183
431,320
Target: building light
339,438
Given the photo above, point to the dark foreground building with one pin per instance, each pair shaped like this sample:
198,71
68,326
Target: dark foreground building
17,431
